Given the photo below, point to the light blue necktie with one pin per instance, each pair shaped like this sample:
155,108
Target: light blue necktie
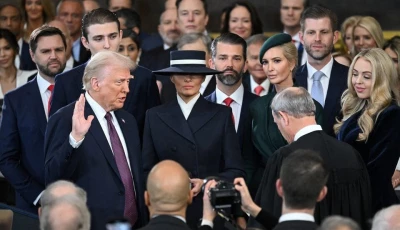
317,92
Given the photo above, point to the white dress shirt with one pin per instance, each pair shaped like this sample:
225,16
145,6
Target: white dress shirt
296,216
44,92
205,84
307,130
265,84
100,114
187,107
69,64
165,46
22,78
327,69
17,60
236,105
76,49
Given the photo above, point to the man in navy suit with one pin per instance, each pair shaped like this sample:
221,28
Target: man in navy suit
229,57
323,77
25,113
99,148
101,31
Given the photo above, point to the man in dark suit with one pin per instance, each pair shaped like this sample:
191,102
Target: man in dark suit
322,76
99,148
25,113
229,57
101,32
349,194
167,198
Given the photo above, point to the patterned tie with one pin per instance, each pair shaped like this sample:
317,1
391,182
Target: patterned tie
258,90
50,88
130,211
228,101
317,91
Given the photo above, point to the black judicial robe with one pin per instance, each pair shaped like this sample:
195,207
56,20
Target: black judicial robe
349,192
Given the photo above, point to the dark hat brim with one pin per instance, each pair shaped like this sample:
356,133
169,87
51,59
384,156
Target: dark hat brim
186,70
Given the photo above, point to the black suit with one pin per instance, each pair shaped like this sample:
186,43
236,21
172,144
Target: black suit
92,165
84,55
349,192
167,222
337,85
143,92
26,62
157,58
296,225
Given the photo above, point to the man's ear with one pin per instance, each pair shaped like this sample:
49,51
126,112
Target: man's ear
146,198
94,82
190,197
211,63
285,118
279,188
32,55
301,36
85,42
335,36
322,194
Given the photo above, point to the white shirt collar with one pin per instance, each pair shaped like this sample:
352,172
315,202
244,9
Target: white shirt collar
326,69
187,107
265,84
42,83
166,46
237,96
69,64
176,216
99,111
20,42
307,130
296,216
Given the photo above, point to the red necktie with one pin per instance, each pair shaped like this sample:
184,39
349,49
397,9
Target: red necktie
130,211
50,88
228,101
258,90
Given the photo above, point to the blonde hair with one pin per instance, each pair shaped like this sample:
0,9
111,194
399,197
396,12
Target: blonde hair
102,60
290,53
373,27
349,22
383,92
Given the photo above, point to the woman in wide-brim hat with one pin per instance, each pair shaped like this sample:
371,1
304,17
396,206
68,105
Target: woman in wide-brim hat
278,56
192,131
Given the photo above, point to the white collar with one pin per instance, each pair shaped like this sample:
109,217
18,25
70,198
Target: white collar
166,46
296,216
42,83
176,216
327,69
20,42
237,96
99,111
306,130
190,104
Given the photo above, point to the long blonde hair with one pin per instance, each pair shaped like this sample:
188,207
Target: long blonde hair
383,92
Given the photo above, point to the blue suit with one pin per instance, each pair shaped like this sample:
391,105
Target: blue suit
143,93
22,131
92,165
337,85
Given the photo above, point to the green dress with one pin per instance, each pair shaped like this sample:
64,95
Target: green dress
262,138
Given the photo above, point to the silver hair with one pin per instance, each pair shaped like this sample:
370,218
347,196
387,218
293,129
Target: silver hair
102,60
80,221
383,220
48,196
256,39
194,37
335,222
295,101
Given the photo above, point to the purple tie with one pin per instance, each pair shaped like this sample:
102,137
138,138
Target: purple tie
130,211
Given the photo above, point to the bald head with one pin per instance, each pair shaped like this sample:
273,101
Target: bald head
168,187
60,25
387,219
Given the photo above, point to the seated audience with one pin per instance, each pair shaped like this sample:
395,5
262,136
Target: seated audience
387,219
339,223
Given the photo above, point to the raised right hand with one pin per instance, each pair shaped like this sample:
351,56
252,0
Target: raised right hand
80,125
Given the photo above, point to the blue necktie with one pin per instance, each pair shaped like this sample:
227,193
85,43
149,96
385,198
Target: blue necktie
317,92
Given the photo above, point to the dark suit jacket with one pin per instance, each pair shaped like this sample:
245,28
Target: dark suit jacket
205,145
296,224
166,222
22,130
244,112
151,42
349,191
84,55
143,92
92,166
157,58
337,85
26,62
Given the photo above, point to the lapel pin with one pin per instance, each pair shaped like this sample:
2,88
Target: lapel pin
123,120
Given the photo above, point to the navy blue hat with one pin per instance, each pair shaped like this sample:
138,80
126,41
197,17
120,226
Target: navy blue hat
187,62
276,40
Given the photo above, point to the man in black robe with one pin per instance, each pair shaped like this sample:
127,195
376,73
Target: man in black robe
348,185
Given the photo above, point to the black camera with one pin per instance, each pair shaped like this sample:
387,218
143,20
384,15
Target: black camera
225,197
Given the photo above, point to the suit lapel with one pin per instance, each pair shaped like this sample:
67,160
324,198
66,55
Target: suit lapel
301,77
98,135
173,117
201,114
37,105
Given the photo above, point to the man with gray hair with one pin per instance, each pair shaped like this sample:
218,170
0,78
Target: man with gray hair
59,189
99,148
387,219
65,213
339,223
348,185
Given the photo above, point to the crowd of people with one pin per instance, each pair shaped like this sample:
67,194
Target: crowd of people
104,126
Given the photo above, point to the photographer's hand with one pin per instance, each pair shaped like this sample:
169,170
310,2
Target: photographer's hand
208,211
197,183
248,204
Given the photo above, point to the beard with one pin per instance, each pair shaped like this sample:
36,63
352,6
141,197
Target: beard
51,73
319,55
229,79
171,39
